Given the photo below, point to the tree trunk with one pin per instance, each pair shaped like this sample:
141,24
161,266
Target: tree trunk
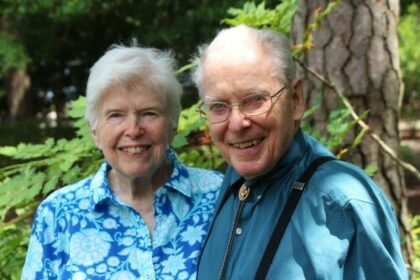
356,48
17,83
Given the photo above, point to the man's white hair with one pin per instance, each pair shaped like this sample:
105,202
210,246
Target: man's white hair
236,40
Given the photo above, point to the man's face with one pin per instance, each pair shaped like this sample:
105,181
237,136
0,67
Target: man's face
251,144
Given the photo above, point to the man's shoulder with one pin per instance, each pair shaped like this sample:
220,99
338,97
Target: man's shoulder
343,182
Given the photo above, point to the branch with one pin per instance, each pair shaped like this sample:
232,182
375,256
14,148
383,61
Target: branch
415,271
362,124
16,221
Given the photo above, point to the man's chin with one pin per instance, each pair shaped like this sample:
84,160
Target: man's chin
248,170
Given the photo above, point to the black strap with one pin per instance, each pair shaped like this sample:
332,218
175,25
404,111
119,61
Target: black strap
284,218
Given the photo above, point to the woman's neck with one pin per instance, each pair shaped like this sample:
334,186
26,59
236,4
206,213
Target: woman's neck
138,192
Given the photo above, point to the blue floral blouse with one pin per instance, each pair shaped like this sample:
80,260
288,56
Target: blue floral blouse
84,231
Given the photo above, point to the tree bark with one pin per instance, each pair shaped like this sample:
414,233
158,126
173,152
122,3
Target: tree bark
17,83
356,48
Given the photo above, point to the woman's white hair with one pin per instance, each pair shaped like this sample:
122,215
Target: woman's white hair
131,67
276,45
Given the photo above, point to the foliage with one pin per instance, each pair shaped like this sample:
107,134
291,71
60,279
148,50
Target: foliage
409,40
44,166
278,19
307,39
189,120
192,142
338,126
13,245
12,54
64,38
40,169
415,233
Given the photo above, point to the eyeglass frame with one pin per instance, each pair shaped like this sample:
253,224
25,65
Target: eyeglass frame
203,113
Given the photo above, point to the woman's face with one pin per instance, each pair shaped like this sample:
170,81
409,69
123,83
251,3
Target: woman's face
133,131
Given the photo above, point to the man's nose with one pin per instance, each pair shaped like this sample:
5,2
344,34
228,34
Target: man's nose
237,119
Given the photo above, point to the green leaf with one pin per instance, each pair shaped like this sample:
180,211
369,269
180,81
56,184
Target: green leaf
77,108
67,161
12,54
371,170
54,175
6,186
72,175
278,19
189,121
9,151
4,200
180,140
32,151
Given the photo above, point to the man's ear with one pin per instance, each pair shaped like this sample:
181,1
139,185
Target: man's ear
298,99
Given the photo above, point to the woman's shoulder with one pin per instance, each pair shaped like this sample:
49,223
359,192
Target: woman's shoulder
197,172
72,192
204,180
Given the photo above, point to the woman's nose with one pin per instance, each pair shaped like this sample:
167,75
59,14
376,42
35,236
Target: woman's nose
134,127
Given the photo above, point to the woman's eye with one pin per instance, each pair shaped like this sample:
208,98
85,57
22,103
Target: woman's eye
150,115
114,115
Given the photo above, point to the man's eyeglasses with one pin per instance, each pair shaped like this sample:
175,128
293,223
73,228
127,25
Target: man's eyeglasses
251,105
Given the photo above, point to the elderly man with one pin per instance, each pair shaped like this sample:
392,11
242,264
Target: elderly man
342,227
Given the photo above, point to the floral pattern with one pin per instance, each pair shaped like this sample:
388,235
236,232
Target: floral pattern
89,246
84,231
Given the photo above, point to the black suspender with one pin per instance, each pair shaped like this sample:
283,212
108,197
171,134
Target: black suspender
284,218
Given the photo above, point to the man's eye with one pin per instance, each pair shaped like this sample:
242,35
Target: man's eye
254,100
217,107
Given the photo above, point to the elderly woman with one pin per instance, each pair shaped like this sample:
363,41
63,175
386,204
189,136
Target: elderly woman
143,214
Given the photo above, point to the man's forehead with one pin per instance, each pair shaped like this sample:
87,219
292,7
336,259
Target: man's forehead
233,53
236,85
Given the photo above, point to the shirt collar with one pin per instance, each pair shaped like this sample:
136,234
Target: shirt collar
101,191
179,179
99,186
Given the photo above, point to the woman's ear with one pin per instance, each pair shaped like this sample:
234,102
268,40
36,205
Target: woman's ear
95,136
172,135
298,99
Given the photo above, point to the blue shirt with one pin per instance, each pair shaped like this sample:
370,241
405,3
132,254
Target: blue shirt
343,226
84,231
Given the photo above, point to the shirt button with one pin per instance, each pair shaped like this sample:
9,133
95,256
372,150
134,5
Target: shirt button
238,231
259,197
